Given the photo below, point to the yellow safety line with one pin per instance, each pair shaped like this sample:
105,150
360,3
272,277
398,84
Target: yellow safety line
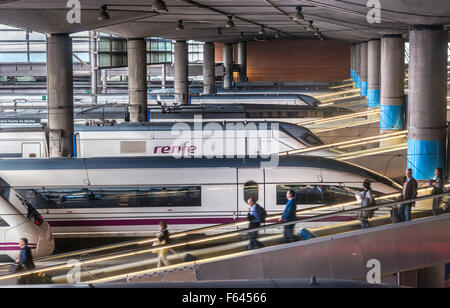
343,143
338,118
375,151
345,126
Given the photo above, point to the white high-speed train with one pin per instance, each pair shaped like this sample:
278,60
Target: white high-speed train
282,99
130,196
19,219
237,139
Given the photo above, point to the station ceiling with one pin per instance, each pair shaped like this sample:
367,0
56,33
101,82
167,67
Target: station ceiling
335,19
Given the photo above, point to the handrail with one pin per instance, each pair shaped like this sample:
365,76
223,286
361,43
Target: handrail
375,207
227,234
344,143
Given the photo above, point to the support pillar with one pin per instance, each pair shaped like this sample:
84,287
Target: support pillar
94,65
137,79
358,65
181,73
228,66
60,94
242,61
373,73
427,106
163,76
209,69
392,109
364,68
352,62
105,81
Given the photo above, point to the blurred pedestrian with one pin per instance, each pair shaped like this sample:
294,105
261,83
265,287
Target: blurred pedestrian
410,187
255,220
289,214
366,199
163,239
439,185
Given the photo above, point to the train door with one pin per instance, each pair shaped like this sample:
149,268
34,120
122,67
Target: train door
250,184
31,150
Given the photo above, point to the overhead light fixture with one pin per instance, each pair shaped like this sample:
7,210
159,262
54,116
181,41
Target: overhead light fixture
310,26
230,23
180,25
159,5
298,16
317,32
262,31
103,14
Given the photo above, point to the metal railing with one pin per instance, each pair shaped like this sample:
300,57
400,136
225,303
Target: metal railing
211,238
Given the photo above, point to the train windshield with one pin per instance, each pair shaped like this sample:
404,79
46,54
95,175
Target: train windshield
312,140
32,214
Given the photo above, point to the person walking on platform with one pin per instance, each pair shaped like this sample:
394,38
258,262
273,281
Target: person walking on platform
439,186
366,199
255,219
163,238
289,214
25,260
410,187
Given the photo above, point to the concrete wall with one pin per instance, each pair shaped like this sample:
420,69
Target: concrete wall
296,60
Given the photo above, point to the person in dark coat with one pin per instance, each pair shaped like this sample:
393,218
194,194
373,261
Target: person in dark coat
254,218
410,187
289,214
25,260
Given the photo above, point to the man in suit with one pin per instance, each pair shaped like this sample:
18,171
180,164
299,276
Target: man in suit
409,192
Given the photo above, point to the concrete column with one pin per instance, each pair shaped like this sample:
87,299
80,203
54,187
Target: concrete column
60,94
373,73
163,76
137,79
392,84
228,66
364,68
427,100
358,65
352,62
242,61
209,68
181,73
105,81
94,65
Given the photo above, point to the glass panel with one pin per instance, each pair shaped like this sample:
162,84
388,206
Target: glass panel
38,57
38,46
82,55
13,57
12,35
36,36
13,46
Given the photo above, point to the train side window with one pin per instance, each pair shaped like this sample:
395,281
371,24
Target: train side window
3,223
315,194
145,197
251,190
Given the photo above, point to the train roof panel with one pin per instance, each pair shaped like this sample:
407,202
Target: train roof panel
171,162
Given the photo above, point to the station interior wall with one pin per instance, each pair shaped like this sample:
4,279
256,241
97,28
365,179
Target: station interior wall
295,60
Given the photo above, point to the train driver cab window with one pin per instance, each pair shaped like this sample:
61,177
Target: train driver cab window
251,190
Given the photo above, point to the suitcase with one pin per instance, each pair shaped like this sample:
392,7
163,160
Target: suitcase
305,234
